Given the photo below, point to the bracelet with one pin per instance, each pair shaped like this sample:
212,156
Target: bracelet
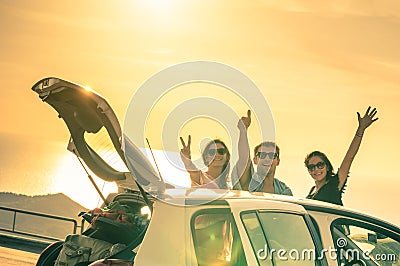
359,134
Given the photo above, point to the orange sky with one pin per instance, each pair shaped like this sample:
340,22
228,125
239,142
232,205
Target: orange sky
316,64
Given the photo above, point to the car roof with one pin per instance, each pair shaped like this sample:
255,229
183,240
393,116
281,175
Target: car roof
203,194
197,196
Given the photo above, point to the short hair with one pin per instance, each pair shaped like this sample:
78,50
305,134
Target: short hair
267,144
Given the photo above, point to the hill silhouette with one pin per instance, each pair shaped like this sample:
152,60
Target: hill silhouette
53,204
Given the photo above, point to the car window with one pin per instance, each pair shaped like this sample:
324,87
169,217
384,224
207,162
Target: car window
279,238
368,244
216,238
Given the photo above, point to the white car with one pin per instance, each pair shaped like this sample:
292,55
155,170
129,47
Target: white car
197,226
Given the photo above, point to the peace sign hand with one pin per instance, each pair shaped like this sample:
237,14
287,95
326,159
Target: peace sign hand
367,119
245,121
185,151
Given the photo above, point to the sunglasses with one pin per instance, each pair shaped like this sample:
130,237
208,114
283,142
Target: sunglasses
212,152
320,165
262,155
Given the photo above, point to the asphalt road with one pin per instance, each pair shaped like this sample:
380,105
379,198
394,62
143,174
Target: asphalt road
17,257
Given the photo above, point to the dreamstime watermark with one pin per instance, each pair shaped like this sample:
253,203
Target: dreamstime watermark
331,253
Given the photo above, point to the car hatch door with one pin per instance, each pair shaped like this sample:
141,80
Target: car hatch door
85,111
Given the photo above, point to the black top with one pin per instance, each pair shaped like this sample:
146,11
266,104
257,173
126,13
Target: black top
329,192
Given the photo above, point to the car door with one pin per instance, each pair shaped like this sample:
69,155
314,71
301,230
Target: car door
359,239
276,233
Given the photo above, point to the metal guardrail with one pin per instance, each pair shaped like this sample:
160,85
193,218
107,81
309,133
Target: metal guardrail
15,212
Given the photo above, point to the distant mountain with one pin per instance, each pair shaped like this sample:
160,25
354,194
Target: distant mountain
53,204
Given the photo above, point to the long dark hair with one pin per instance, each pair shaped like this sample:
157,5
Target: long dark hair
222,179
329,167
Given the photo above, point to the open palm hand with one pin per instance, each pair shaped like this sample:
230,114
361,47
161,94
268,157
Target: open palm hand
367,119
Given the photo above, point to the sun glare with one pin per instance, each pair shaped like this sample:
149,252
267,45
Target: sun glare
87,88
160,5
145,210
163,13
71,179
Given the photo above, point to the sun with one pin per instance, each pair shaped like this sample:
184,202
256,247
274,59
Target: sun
163,13
160,5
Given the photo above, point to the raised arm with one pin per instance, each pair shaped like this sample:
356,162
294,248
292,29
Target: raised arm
244,161
363,123
186,158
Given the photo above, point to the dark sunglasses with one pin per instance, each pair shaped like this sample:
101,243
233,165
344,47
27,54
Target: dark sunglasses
262,155
212,152
320,165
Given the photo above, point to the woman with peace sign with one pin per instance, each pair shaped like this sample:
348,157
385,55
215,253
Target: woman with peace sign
216,157
328,185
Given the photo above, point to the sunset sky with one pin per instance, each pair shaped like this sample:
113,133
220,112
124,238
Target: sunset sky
316,63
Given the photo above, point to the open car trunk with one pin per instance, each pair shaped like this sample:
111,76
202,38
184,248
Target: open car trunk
85,112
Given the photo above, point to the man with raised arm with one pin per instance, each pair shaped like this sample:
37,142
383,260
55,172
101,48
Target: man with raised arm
266,159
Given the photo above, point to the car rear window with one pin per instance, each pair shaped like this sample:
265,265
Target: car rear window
216,238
